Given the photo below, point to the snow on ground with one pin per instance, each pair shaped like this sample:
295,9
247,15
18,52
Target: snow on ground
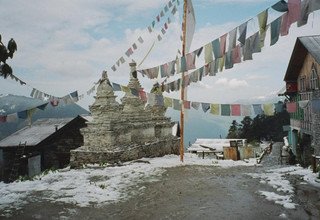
98,185
277,179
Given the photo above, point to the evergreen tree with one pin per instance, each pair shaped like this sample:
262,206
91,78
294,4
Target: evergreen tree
233,130
261,127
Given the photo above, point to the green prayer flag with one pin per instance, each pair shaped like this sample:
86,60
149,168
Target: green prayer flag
225,109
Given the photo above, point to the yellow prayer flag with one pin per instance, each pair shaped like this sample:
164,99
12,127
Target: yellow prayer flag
125,89
215,109
221,63
268,109
167,102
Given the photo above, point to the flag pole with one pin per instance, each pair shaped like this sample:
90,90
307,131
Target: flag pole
184,25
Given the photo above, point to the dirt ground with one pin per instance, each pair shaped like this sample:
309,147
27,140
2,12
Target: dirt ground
189,192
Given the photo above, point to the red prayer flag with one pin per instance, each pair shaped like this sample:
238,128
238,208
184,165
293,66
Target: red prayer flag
223,41
291,107
235,110
142,95
186,104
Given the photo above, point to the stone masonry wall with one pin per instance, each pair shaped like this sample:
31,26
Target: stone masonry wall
80,156
316,127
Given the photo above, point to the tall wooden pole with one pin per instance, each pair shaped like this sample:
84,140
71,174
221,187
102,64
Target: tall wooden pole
184,27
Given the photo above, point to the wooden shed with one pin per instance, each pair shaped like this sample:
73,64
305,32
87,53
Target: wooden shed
43,145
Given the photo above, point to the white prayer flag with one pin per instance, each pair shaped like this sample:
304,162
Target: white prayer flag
190,26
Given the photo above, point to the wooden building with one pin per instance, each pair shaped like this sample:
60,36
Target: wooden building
302,87
44,145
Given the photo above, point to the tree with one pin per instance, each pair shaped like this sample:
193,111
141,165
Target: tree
5,53
261,127
233,130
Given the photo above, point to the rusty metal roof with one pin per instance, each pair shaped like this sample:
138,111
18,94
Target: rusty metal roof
37,132
303,46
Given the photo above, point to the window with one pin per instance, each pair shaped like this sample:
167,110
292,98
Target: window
302,82
314,81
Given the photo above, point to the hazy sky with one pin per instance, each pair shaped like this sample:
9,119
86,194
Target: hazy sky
64,45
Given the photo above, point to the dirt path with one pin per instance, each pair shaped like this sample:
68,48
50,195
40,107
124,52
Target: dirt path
188,192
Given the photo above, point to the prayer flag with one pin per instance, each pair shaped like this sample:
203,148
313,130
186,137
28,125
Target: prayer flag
236,54
225,109
125,89
142,95
159,37
167,102
163,31
279,107
268,109
275,29
190,60
54,102
294,10
246,110
149,29
228,62
151,99
176,104
122,60
159,100
257,109
291,107
285,25
232,38
43,106
161,14
223,43
205,107
186,104
215,109
216,48
195,105
32,92
199,51
75,96
263,18
280,6
140,40
242,33
116,87
221,63
235,110
129,52
190,25
208,57
134,92
134,46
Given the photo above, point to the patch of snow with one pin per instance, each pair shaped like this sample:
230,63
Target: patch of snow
84,187
285,200
283,215
277,179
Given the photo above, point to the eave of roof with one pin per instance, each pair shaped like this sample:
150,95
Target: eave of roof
303,46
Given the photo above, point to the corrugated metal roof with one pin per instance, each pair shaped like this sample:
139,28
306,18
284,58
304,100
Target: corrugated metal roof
37,132
303,46
312,44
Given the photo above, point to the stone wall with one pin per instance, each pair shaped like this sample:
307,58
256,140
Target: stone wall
81,156
316,127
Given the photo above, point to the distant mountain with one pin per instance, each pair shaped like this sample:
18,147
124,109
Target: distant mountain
203,125
12,103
